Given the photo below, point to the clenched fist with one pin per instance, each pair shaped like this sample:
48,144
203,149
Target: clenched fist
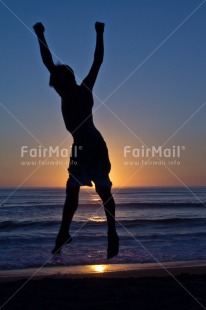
38,28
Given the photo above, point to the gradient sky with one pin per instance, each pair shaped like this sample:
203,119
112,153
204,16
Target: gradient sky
160,39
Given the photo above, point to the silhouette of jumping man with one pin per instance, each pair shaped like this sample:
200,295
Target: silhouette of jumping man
89,150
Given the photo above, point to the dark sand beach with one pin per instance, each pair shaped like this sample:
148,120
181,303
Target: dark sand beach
181,285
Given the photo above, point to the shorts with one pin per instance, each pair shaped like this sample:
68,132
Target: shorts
89,162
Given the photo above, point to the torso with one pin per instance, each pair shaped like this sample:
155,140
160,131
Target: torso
77,113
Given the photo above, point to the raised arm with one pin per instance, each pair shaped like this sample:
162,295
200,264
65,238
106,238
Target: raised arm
44,49
98,57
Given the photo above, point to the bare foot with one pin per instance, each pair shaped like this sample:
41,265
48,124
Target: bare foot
61,240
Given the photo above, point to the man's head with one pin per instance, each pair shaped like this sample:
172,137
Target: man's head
61,77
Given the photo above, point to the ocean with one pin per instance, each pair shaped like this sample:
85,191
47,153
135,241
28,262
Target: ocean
158,224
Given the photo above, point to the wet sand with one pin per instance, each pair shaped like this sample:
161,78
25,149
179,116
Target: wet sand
178,285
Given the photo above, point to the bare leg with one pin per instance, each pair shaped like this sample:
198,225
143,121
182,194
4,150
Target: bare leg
109,207
70,207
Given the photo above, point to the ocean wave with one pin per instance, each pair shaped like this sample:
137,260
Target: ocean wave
15,224
134,222
52,206
174,220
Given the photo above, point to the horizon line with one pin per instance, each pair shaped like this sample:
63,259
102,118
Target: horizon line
93,187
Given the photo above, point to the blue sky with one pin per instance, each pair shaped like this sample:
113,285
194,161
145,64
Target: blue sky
153,103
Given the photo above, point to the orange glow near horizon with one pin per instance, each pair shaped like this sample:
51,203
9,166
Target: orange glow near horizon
190,172
122,177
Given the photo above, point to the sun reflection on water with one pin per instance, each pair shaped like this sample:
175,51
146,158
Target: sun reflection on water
99,268
97,219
